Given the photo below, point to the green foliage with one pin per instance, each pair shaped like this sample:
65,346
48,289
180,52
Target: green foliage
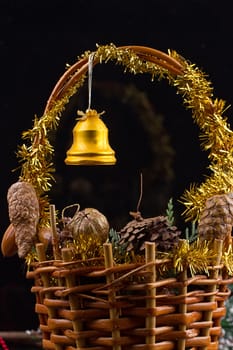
191,234
170,212
119,250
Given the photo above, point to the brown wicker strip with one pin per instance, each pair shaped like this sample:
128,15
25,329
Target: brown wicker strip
59,323
81,334
87,314
198,342
61,340
176,318
56,303
47,344
86,348
201,324
142,311
41,309
166,345
204,306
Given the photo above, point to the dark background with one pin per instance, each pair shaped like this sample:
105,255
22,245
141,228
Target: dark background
38,38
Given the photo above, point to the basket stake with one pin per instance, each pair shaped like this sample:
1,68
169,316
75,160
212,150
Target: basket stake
113,311
221,303
73,299
46,283
182,307
56,251
150,251
214,273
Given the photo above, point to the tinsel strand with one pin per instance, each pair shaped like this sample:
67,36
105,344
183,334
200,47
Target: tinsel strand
37,157
216,138
197,94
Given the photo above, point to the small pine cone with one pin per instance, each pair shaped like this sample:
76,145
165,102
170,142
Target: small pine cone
216,219
23,209
156,229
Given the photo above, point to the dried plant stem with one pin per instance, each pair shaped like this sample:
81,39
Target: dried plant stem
151,292
223,288
56,251
207,315
113,311
182,307
46,283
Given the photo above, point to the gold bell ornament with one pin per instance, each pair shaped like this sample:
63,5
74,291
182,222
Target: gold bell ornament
90,135
90,142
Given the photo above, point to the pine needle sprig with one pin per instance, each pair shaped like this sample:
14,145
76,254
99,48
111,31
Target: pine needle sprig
170,212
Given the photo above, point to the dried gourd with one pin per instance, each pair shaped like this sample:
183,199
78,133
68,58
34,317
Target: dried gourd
90,222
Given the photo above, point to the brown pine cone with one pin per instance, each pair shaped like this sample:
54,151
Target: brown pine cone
216,219
156,229
23,209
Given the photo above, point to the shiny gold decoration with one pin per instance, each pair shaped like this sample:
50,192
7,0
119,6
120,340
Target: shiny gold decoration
36,155
216,138
227,259
190,82
90,142
195,256
30,258
86,247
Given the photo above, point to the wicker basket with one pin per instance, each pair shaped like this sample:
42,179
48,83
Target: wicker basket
101,304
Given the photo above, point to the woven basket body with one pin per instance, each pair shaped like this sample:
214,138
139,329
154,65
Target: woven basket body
98,305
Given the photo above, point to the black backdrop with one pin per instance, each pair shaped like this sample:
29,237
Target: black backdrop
37,39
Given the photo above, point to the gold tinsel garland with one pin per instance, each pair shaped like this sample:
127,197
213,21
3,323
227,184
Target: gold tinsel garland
37,158
216,137
197,94
196,257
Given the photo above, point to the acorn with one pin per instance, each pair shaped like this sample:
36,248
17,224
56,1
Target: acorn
8,244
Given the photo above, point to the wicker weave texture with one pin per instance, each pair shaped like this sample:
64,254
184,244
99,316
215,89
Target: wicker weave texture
99,305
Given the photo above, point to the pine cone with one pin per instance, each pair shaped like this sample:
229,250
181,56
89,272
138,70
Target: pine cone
23,209
216,219
156,229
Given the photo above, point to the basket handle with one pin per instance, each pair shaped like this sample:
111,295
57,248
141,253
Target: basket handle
191,84
73,74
